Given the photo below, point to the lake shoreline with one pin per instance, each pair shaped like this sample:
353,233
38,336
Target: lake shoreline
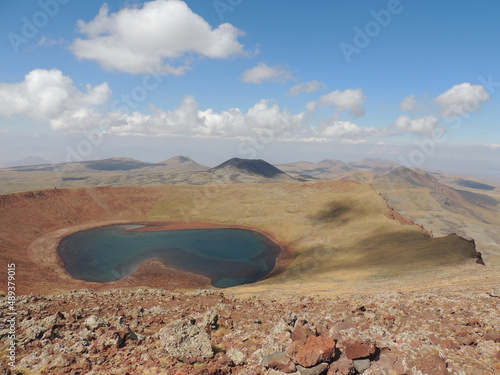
151,273
282,261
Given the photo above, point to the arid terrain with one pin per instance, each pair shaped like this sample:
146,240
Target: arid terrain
383,275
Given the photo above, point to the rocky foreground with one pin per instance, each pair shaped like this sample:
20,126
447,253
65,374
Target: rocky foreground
155,331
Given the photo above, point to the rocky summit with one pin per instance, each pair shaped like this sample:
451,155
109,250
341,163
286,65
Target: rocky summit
154,331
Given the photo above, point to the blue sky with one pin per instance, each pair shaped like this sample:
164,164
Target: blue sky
413,81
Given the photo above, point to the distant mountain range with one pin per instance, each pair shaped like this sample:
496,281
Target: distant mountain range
28,161
441,202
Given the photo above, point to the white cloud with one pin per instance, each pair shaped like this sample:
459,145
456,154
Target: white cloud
353,141
265,117
350,99
263,72
493,146
462,99
138,40
50,96
347,129
307,87
420,125
410,104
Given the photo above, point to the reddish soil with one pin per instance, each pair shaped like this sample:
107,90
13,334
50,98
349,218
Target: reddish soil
33,224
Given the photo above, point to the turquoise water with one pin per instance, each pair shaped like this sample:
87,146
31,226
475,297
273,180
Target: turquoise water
228,257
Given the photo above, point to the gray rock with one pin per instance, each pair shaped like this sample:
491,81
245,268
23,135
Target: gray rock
209,321
361,365
278,339
35,332
93,322
49,322
237,356
186,342
316,370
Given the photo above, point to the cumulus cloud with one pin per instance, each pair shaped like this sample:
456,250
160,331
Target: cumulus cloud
410,104
263,72
306,87
420,125
138,40
462,99
350,99
265,117
343,129
50,96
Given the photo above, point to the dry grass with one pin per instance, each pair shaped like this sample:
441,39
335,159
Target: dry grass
339,231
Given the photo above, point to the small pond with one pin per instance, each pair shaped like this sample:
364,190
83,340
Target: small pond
228,256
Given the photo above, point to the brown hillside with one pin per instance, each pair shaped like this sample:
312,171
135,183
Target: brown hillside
339,232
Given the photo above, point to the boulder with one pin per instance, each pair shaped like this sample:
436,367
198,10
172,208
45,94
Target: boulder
301,332
93,322
355,349
312,351
279,361
186,342
237,356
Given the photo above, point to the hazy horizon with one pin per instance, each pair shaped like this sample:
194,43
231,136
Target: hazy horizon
338,81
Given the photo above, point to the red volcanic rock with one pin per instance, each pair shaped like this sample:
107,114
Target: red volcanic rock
354,349
343,366
282,363
433,364
312,351
301,331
